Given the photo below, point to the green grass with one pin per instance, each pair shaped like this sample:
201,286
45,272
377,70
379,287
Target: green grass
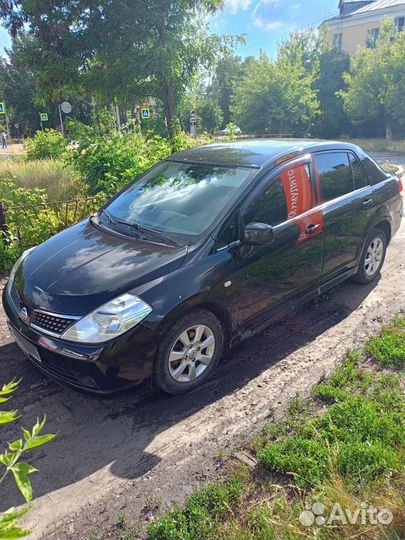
345,444
60,180
389,347
201,515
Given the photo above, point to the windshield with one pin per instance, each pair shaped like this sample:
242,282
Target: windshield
178,198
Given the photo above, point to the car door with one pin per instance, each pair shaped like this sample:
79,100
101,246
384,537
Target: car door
268,276
347,205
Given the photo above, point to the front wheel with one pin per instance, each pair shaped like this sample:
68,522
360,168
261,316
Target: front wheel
189,352
372,256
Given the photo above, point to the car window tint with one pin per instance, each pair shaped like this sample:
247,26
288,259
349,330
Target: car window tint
288,196
335,174
270,207
360,179
373,171
229,233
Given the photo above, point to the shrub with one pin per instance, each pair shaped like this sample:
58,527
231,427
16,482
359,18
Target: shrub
111,159
60,180
48,144
31,220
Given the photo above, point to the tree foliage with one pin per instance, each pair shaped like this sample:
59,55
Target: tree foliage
275,97
117,52
376,82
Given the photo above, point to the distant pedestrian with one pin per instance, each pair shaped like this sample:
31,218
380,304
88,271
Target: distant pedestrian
4,140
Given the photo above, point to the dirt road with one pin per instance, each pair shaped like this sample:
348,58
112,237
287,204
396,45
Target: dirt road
112,457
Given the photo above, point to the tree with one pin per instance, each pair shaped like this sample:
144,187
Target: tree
326,65
275,98
376,83
17,88
332,121
117,50
228,73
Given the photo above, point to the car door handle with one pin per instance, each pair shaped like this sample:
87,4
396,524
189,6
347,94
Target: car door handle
312,228
367,203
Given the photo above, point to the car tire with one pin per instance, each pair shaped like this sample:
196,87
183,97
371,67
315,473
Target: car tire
372,257
182,362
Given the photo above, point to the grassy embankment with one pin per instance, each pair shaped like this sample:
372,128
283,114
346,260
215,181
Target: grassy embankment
379,145
345,445
59,180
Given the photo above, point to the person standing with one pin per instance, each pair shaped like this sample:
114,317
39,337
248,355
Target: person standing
4,140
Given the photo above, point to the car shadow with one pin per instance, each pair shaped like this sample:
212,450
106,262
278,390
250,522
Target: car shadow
95,433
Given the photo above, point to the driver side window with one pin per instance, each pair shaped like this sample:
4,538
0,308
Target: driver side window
287,196
270,206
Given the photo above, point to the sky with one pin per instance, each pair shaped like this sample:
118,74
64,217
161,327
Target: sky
264,22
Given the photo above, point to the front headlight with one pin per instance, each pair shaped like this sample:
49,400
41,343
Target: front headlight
109,321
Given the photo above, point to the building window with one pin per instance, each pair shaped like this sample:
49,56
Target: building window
338,41
399,22
373,36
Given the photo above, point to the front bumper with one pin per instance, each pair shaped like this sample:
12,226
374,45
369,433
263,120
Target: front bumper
114,366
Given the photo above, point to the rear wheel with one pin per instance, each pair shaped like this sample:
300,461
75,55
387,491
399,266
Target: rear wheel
189,352
372,257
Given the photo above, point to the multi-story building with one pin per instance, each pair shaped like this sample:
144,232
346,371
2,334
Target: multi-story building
359,21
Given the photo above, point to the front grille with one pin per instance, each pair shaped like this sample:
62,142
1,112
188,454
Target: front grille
50,323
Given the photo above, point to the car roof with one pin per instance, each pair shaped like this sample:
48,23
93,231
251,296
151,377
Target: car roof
255,153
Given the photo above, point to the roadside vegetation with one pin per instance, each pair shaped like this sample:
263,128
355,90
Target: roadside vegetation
344,446
58,184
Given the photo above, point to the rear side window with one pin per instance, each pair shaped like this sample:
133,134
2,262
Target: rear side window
359,178
335,174
373,171
287,196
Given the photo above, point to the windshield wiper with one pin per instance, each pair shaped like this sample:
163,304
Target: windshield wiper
150,232
110,219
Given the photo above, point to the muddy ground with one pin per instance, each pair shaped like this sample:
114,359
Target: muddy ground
114,457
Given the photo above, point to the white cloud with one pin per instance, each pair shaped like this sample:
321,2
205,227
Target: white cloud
233,6
271,25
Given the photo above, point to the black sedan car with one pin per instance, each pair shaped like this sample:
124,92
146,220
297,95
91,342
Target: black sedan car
199,253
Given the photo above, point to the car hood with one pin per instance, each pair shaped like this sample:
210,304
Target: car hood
85,266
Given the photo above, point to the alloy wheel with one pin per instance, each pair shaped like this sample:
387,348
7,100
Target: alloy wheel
191,353
374,255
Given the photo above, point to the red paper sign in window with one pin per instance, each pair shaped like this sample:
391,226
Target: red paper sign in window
298,192
297,187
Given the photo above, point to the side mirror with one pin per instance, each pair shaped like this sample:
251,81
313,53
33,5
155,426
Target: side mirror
259,233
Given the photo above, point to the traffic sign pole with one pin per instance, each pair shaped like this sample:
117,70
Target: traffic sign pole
62,129
193,123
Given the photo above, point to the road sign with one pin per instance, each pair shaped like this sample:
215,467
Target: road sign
193,120
145,112
66,107
2,107
43,116
16,125
193,114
